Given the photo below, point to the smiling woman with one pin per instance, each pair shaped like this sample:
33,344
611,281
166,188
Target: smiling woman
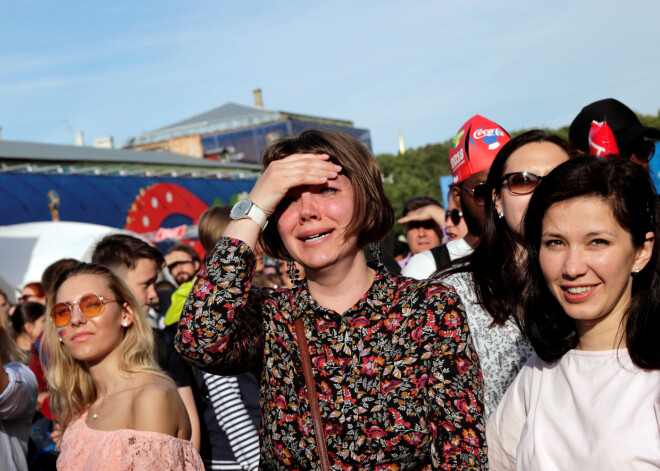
377,369
115,406
591,398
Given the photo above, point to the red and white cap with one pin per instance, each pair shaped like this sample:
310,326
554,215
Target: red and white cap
601,140
475,146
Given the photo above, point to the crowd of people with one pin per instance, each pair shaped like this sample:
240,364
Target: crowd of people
515,329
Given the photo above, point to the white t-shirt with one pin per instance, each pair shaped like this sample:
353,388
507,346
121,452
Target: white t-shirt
17,405
422,265
587,411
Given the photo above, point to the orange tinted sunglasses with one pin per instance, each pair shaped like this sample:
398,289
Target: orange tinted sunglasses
90,304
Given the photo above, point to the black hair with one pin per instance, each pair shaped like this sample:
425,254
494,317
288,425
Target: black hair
495,260
27,312
628,190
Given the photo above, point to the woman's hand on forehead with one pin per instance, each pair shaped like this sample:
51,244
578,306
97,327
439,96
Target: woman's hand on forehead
290,172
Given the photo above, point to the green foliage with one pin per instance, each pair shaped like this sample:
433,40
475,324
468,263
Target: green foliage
417,172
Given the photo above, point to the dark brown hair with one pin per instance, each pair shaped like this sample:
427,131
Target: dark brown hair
186,249
418,202
123,251
373,215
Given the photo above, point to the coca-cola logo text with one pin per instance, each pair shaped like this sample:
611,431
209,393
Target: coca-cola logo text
482,132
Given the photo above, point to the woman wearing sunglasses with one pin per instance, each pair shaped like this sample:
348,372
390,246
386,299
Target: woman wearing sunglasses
589,398
116,408
485,279
455,227
390,363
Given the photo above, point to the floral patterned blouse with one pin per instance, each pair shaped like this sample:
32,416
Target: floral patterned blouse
398,382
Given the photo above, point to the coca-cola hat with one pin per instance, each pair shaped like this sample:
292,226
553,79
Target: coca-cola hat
475,146
623,122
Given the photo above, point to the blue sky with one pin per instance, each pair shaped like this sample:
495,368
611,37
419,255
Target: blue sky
121,68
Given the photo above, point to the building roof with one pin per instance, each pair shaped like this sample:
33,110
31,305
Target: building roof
223,118
227,117
55,153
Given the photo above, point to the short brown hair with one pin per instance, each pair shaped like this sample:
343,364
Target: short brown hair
418,202
119,251
185,248
212,224
373,215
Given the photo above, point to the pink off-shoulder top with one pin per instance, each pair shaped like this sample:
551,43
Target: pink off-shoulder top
87,449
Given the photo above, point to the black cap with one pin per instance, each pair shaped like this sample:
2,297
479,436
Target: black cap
623,122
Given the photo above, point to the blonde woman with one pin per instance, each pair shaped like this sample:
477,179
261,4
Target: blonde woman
117,410
18,398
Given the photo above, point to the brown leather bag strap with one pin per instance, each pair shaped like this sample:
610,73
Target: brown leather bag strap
311,392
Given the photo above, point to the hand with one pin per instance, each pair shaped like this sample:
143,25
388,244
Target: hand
426,213
56,432
290,172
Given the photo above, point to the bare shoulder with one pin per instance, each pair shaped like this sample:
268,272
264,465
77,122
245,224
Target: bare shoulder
157,407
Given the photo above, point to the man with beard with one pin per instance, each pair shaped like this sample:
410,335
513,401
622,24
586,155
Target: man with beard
183,263
472,152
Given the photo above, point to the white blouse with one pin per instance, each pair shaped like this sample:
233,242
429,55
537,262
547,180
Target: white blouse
502,349
587,411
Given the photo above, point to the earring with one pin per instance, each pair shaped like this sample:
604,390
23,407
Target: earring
291,270
375,252
125,324
636,270
500,214
61,340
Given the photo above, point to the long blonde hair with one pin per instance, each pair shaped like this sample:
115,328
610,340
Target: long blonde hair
71,387
9,351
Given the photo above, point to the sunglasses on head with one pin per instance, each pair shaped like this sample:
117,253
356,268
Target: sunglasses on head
455,215
90,304
521,183
642,149
479,193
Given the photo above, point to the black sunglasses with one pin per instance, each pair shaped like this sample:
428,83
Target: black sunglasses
479,193
455,215
521,183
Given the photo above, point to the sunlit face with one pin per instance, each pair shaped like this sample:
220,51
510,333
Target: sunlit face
142,281
92,339
423,235
182,266
312,222
538,158
587,260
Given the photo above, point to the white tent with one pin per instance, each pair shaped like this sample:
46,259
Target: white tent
27,249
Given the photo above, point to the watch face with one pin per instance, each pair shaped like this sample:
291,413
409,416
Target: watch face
240,209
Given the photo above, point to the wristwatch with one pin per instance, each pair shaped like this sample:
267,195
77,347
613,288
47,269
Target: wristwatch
246,209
